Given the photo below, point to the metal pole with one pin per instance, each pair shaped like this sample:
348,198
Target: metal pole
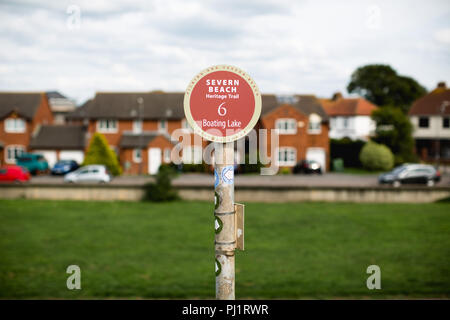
225,240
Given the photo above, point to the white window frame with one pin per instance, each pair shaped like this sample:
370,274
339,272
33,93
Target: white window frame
137,159
166,155
13,146
288,126
11,125
316,119
160,128
287,162
185,126
107,129
137,126
192,154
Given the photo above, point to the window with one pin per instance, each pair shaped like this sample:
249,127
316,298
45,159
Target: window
286,126
287,156
446,122
345,123
162,125
107,126
137,126
13,152
137,155
332,123
314,125
424,122
185,125
167,152
192,154
14,125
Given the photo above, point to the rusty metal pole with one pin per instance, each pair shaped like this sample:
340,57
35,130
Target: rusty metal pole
225,236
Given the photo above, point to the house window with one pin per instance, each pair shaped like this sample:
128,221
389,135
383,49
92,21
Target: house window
107,126
192,154
287,156
446,122
332,123
314,124
345,123
162,125
137,126
137,155
14,125
12,152
185,125
286,126
167,152
424,122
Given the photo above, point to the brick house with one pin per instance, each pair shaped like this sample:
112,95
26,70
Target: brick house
21,114
430,117
302,126
140,132
137,126
349,117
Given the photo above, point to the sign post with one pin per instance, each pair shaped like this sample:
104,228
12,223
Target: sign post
223,104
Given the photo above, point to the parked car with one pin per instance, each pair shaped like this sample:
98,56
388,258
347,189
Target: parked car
307,166
64,166
14,173
411,174
35,163
91,173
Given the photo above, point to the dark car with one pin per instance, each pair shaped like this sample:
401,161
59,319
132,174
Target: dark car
14,174
64,166
411,174
34,163
307,166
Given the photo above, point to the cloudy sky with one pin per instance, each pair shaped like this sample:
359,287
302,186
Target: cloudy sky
80,47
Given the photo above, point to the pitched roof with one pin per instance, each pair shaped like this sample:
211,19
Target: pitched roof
134,140
24,104
59,137
306,104
124,105
431,103
160,105
348,107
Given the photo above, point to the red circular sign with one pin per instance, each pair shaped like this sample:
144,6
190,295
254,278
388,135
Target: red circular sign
222,103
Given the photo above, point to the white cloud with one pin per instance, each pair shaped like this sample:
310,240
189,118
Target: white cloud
287,46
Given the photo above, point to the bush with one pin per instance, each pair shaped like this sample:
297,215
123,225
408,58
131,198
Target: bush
162,189
285,171
348,150
194,167
376,156
248,167
99,152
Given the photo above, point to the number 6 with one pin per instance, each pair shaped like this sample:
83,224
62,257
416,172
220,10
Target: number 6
222,113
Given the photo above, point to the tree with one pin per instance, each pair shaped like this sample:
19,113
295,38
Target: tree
376,156
162,189
381,85
395,131
100,153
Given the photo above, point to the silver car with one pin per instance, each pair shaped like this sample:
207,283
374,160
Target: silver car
91,173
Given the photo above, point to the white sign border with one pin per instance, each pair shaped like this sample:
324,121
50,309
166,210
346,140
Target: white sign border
256,95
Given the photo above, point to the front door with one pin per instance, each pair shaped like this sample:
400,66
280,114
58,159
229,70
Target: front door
154,160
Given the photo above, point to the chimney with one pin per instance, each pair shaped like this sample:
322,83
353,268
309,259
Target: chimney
336,96
442,85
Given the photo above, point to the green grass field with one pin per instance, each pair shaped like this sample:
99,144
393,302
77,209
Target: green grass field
145,250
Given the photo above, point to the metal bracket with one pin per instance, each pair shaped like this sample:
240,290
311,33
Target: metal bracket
239,225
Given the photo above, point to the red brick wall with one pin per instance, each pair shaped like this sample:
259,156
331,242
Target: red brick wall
302,140
126,155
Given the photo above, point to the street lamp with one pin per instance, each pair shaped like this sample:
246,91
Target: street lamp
140,102
442,110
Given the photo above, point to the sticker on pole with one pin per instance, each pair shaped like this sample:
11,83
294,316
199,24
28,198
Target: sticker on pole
228,174
222,103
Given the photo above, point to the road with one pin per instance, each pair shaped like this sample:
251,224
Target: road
328,179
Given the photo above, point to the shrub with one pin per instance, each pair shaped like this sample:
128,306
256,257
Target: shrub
162,189
99,152
248,167
376,156
285,171
195,167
